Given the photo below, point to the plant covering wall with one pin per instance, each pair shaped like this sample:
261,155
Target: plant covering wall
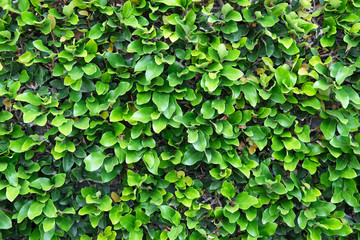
179,119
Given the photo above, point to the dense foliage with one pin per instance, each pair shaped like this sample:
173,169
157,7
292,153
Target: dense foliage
179,119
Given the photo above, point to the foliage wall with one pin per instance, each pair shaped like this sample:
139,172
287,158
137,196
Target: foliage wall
179,119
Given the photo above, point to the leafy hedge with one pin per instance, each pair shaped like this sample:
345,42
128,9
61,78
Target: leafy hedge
179,119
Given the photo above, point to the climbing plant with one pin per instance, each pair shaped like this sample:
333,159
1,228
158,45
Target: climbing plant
179,119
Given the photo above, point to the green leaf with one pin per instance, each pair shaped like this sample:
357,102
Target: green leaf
127,9
250,93
191,193
192,156
233,16
311,166
335,3
23,5
50,210
76,73
150,67
343,231
174,232
25,58
64,222
332,223
143,114
315,233
96,31
94,161
152,161
79,108
342,96
90,68
91,46
200,144
5,221
10,172
326,41
135,47
159,124
230,27
288,45
255,133
283,78
48,224
4,116
133,156
108,139
311,102
340,72
348,173
161,100
243,3
267,21
252,228
207,110
12,193
170,214
23,213
39,45
82,123
135,179
35,210
245,201
29,18
286,42
116,114
291,143
24,77
59,179
29,98
231,73
66,128
115,59
268,229
228,190
128,222
229,227
323,208
66,55
278,188
222,51
302,220
134,235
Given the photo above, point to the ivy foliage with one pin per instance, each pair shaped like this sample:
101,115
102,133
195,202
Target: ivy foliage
179,119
